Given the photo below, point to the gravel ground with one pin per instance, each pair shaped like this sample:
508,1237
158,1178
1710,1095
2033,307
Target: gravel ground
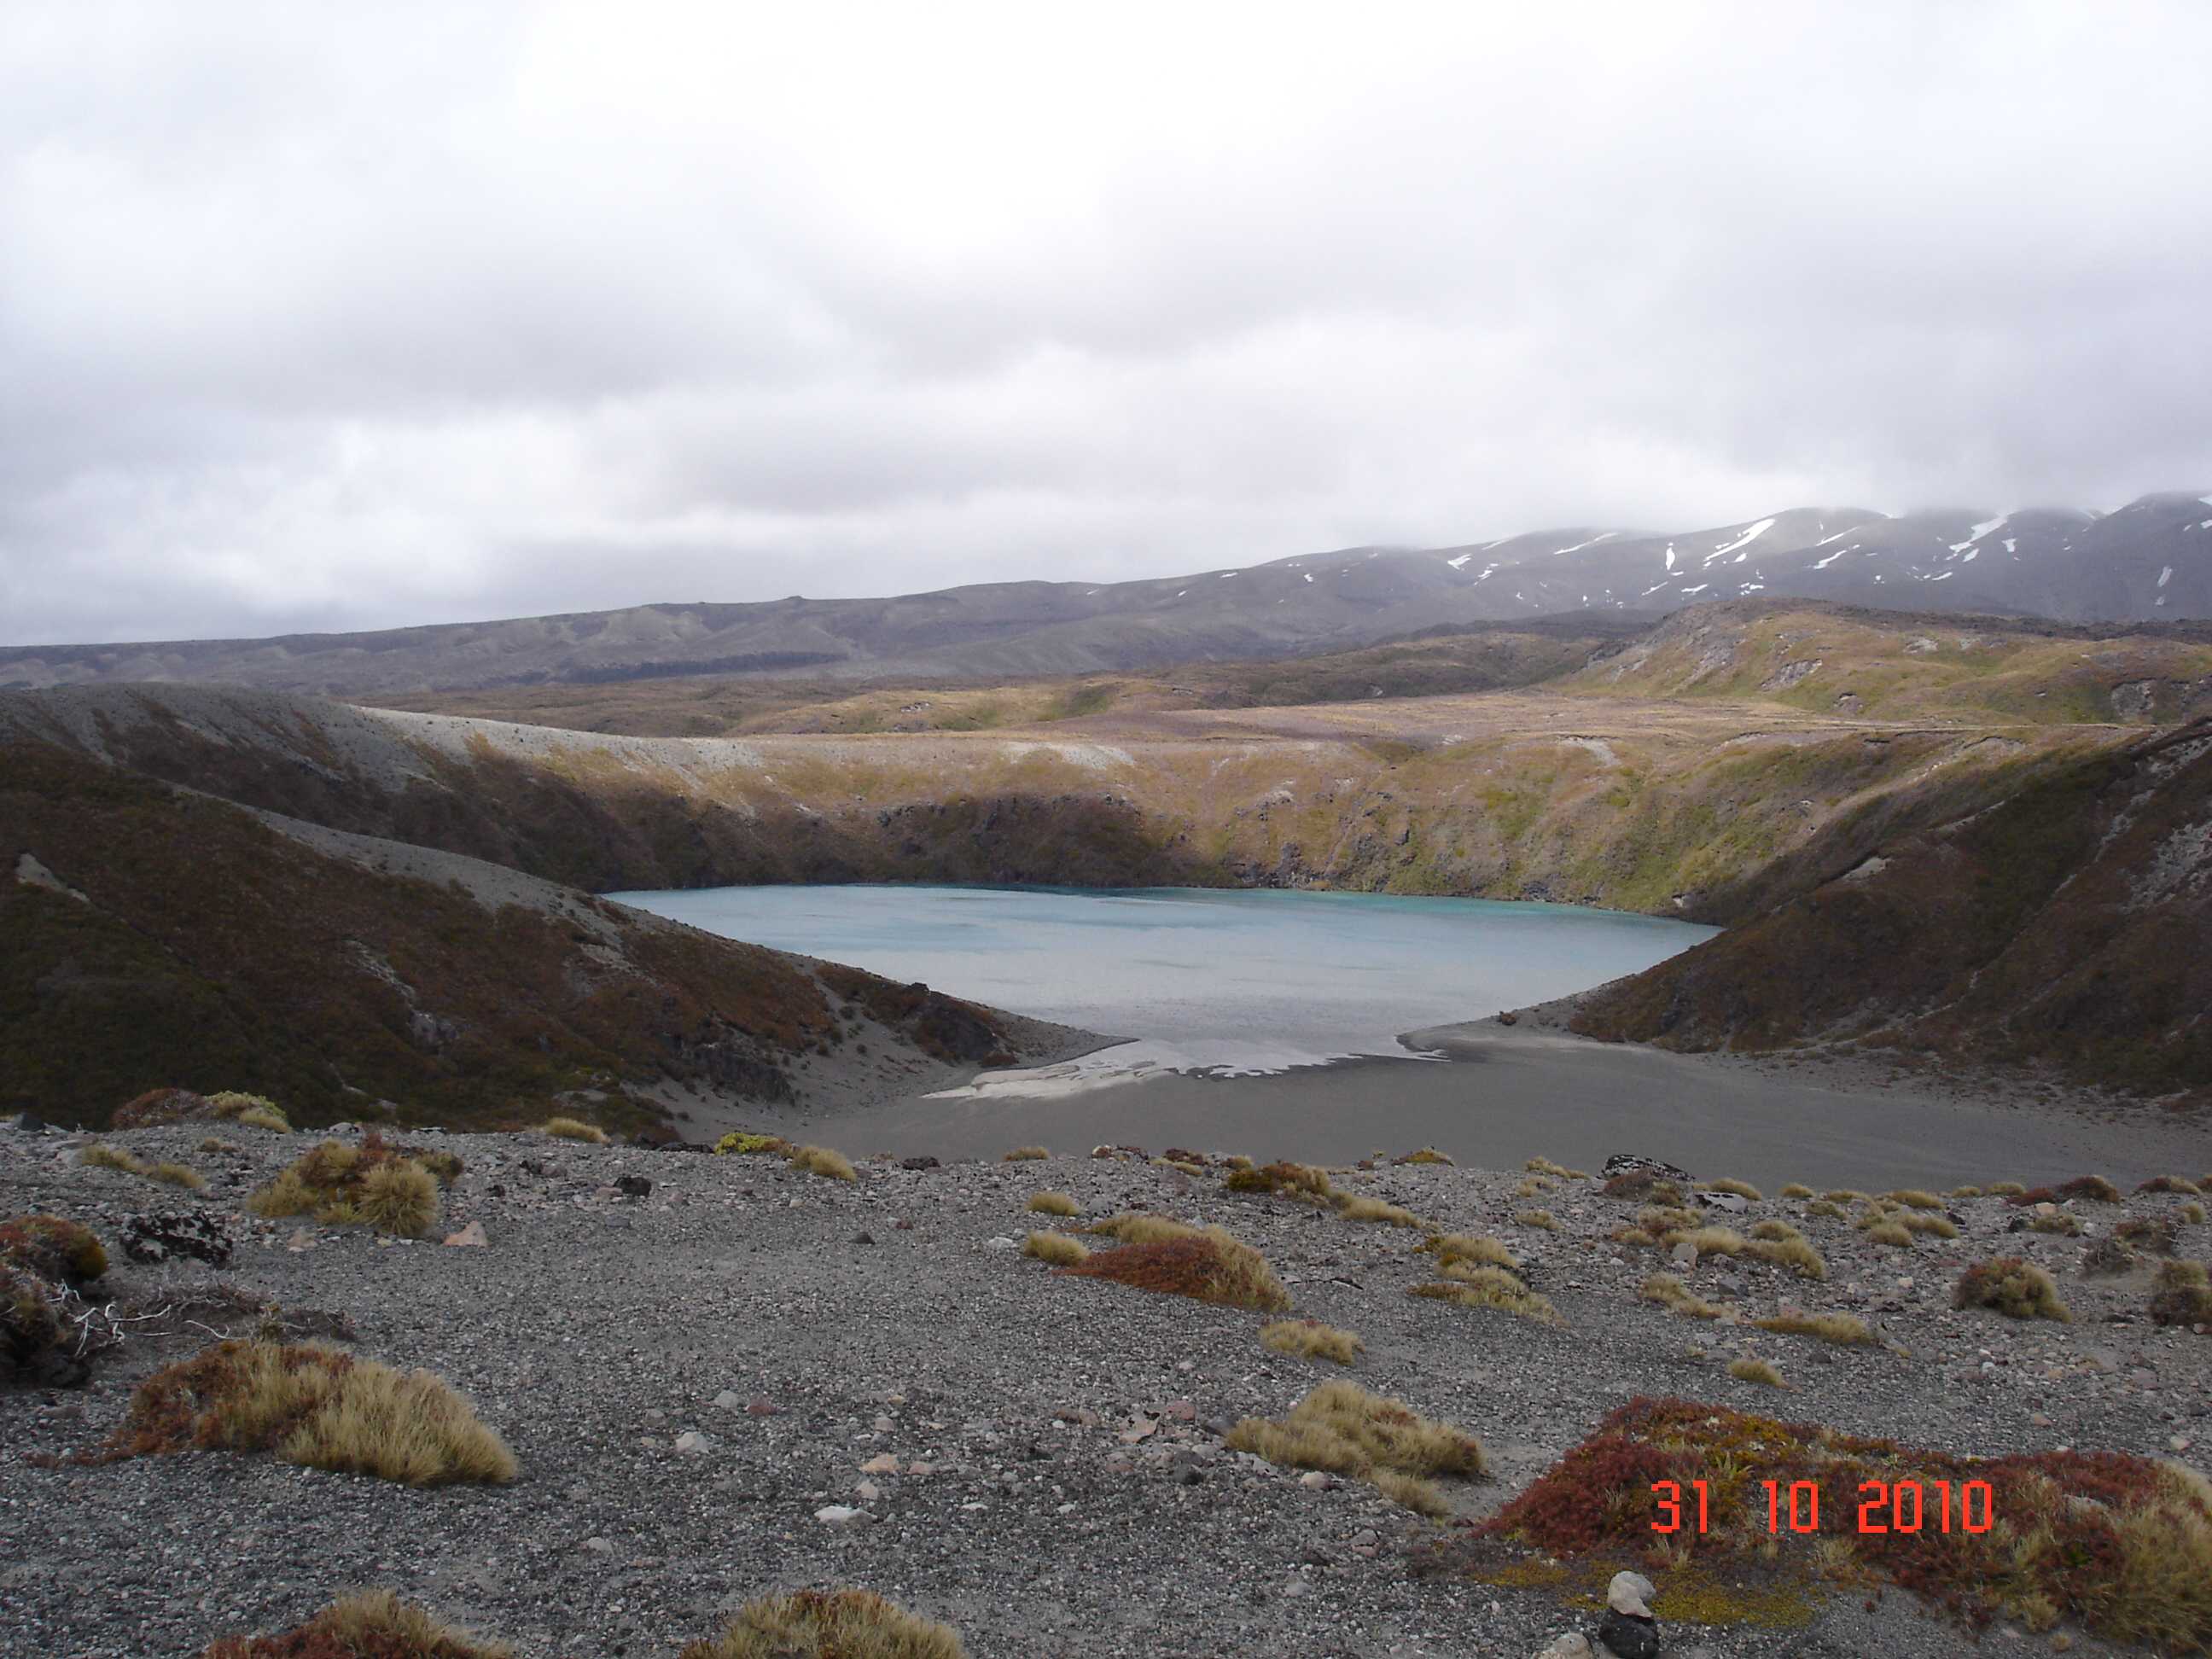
805,1326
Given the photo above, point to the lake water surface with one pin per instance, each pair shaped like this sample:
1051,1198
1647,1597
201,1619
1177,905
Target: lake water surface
1219,983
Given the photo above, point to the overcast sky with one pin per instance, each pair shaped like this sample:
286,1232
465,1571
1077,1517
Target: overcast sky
348,316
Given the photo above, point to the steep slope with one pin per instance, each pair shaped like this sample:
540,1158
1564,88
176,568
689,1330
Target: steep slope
2065,923
2152,559
155,936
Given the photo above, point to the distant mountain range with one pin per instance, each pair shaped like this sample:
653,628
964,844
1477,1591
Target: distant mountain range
2147,562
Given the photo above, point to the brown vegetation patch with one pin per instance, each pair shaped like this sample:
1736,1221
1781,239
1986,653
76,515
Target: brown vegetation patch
52,1248
376,1624
314,1405
1304,1181
2015,1287
845,1623
1341,1429
1211,1266
2119,1543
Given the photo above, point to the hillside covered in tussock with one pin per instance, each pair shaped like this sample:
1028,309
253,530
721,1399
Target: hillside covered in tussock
2065,923
156,937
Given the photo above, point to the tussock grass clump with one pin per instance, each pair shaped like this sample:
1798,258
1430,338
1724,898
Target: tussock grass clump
2118,1544
2166,1183
2095,1189
102,1156
1634,1237
1357,1206
2062,1222
743,1143
1743,1189
2015,1287
1845,1195
1708,1241
1919,1221
1478,1248
821,1161
1847,1328
373,1185
1025,1155
1774,1229
376,1624
2183,1295
1641,1187
1532,1186
2193,1214
30,1328
845,1623
1667,1218
1822,1207
1750,1369
1540,1219
1965,1192
315,1405
1544,1166
2153,1235
178,1175
1142,1227
1913,1198
1053,1204
1309,1339
574,1128
1306,1180
1213,1266
2006,1189
1889,1232
1794,1254
1467,1287
1671,1293
1424,1155
255,1111
1342,1429
1058,1249
52,1248
1796,1190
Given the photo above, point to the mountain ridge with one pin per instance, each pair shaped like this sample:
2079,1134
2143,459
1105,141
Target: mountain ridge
2148,561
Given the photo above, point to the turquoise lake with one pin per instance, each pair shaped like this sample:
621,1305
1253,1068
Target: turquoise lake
1219,983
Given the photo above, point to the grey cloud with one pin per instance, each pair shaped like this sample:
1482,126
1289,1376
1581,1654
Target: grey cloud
317,319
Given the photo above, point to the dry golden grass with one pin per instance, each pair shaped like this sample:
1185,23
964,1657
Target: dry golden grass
1822,1206
343,1186
255,1111
1796,1190
375,1624
1302,1181
1309,1339
2183,1294
1342,1429
1913,1198
1469,1286
1774,1229
318,1406
821,1161
1741,1188
1749,1369
1936,1226
1024,1155
1847,1328
1556,1171
102,1156
1410,1492
53,1247
1422,1155
573,1128
1532,1186
1845,1195
1889,1233
178,1175
2064,1222
1965,1192
1671,1293
1058,1249
2170,1183
845,1623
1634,1237
2006,1189
2016,1288
1354,1207
1667,1219
1053,1204
1210,1266
1540,1219
1793,1254
1142,1227
1478,1248
1237,1161
2193,1213
1707,1241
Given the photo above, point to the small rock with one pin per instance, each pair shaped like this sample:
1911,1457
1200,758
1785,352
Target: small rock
921,1468
1143,1429
760,1406
1297,1587
598,1546
841,1515
1684,1254
885,1464
1731,1202
692,1444
655,1416
1001,1242
919,1164
31,1124
473,1234
864,1237
867,1491
1572,1645
1315,1480
633,1186
727,1400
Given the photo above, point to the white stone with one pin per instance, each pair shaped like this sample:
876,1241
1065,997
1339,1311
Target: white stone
692,1444
728,1401
841,1515
1001,1242
1630,1593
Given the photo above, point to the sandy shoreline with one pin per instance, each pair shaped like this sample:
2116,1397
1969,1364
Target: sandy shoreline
1507,1094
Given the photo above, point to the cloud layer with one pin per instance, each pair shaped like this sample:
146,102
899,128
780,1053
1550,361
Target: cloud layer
340,318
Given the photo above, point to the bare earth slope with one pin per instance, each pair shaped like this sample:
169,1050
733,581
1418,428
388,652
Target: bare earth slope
2066,922
155,937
